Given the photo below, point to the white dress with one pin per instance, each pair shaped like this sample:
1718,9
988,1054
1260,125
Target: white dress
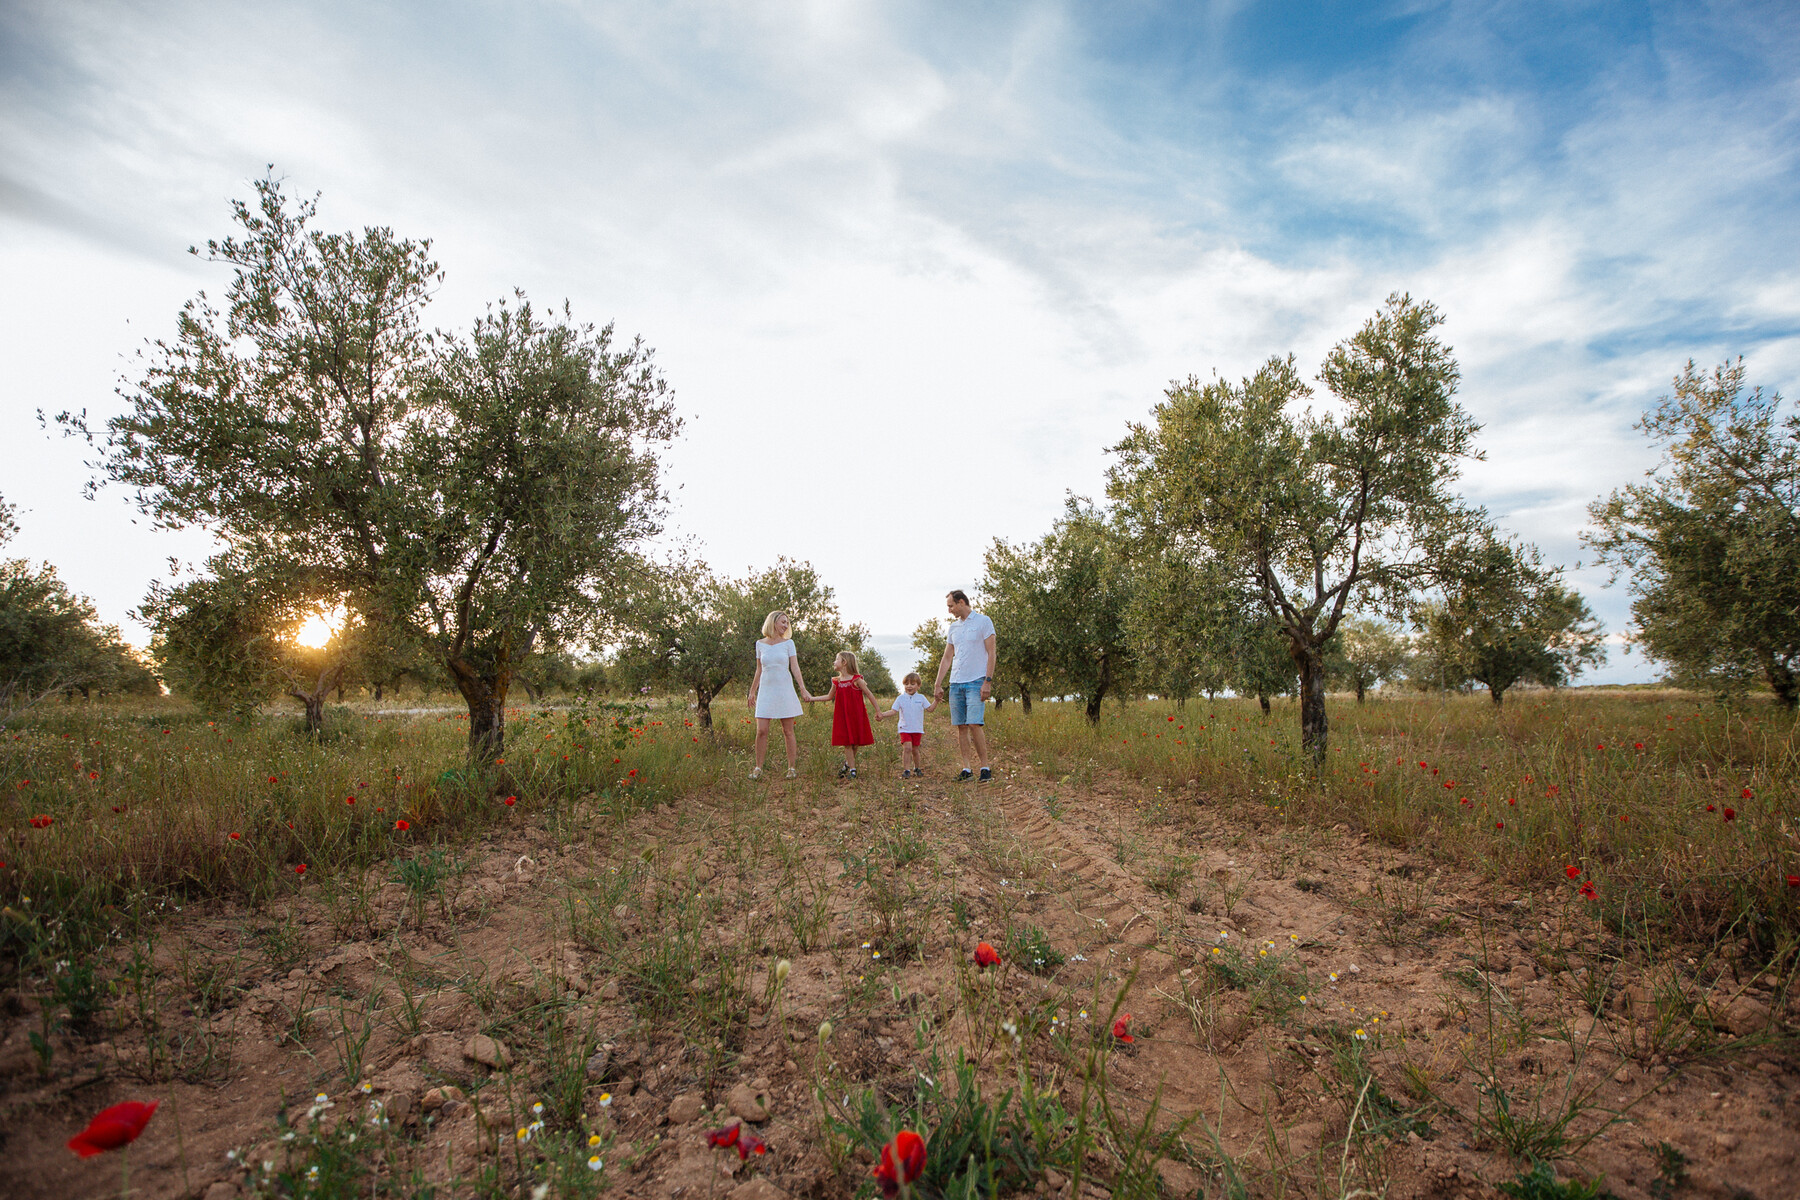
775,695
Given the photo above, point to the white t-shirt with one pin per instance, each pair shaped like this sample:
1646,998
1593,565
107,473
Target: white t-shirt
969,636
912,711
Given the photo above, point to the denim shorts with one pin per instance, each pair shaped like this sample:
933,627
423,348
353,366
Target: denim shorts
966,707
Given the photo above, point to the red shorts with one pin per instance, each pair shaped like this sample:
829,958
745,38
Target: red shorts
911,739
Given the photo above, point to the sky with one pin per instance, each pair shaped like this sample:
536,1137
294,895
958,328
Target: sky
912,268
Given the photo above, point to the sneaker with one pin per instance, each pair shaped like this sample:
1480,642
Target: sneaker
906,774
793,774
755,773
964,775
843,770
987,776
853,772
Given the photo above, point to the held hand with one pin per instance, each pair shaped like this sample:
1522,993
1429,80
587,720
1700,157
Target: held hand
937,693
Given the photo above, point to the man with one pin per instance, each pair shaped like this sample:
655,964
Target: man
970,653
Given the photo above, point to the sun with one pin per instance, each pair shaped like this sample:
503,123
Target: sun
319,628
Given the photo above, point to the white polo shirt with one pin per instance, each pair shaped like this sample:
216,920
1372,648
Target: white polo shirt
969,638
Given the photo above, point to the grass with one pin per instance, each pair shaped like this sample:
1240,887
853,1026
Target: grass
144,801
1678,811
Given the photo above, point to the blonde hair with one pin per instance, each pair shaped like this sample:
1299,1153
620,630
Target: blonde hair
769,622
912,677
841,656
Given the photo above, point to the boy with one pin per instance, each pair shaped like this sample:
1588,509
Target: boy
910,707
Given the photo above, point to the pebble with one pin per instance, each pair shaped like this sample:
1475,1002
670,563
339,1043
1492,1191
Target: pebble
487,1051
685,1108
752,1104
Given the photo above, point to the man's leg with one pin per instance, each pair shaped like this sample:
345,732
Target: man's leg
978,734
963,747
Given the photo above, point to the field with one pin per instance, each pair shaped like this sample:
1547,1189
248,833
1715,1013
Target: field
1550,947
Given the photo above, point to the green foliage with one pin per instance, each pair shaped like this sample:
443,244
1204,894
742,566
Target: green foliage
1030,948
1310,512
226,640
1540,1183
696,630
928,638
1506,617
51,640
975,1147
477,494
1064,597
1365,654
1713,539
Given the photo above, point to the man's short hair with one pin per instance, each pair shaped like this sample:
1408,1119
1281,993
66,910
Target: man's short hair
960,596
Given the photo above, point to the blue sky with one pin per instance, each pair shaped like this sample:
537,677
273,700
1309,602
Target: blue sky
911,268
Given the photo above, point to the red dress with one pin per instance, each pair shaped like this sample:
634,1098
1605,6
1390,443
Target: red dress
849,715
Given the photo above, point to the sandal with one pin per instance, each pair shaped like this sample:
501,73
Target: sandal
755,773
793,774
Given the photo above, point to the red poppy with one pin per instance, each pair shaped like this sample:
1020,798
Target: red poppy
349,799
631,774
1731,814
236,836
113,1127
1588,890
300,868
500,762
986,955
1120,1029
511,800
1573,872
271,779
1711,808
1747,794
1793,880
1171,720
93,774
403,825
748,1143
1422,766
1637,745
1601,746
902,1162
728,1136
1499,824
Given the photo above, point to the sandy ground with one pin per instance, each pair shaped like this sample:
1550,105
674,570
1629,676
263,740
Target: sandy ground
1465,990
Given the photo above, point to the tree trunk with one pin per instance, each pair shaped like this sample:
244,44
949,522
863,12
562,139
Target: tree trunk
1360,687
1025,699
315,711
703,706
1494,694
378,691
486,697
1315,728
1782,681
1262,698
1099,693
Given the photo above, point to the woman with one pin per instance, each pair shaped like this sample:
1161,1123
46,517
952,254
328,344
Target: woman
772,694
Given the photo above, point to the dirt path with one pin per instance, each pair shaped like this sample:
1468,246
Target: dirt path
1280,980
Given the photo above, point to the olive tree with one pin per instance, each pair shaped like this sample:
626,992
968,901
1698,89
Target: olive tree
1366,654
226,640
1507,617
1712,539
1014,593
1311,510
473,493
1069,592
52,641
695,629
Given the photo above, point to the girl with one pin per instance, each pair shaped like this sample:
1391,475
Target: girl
772,694
850,726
